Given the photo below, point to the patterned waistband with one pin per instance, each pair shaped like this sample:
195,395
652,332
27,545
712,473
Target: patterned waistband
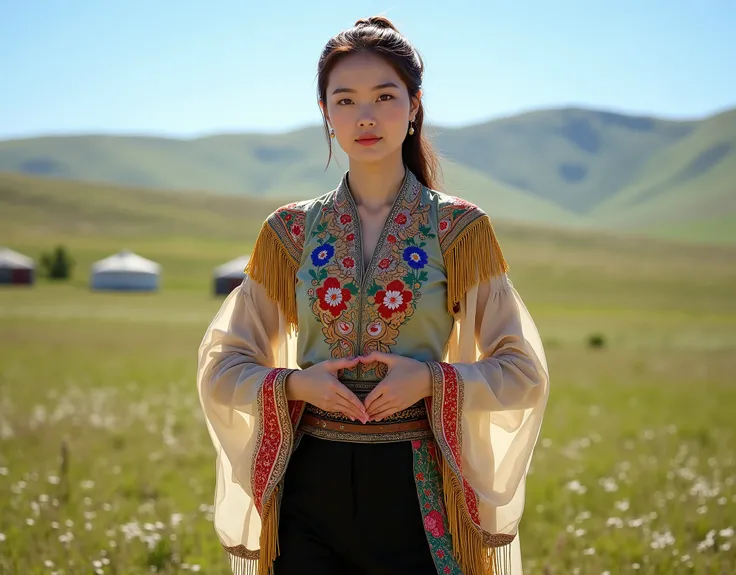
406,425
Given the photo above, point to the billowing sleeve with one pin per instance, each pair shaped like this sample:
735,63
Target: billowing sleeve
489,398
245,356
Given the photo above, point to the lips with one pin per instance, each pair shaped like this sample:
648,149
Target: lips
368,140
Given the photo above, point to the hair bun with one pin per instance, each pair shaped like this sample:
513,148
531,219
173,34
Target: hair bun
376,22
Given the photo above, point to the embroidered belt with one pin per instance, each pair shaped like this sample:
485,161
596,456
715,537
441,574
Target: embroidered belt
406,425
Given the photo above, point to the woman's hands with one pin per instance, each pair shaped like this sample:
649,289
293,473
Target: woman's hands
318,385
406,382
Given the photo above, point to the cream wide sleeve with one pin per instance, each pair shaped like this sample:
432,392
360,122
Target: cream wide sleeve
498,354
245,341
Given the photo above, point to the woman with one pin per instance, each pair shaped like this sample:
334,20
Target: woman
375,387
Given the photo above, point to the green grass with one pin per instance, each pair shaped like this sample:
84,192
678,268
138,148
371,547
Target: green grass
636,448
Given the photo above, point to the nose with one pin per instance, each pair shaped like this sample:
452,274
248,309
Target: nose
366,121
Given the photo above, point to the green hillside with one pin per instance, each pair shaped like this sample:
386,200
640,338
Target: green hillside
58,209
573,157
564,167
690,185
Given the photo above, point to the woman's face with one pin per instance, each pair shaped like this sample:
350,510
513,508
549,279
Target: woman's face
369,107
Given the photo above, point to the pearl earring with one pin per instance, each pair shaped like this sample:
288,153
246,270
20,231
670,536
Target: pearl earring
332,133
411,127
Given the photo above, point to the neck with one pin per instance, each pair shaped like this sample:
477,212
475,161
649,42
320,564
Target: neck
377,184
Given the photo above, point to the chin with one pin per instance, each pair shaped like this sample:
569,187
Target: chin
378,153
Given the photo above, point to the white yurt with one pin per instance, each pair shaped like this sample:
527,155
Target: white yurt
16,268
125,271
230,275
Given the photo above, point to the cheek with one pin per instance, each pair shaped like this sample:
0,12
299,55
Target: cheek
342,116
395,113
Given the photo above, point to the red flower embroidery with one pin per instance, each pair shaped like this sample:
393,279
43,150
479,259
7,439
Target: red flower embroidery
434,524
440,553
296,229
401,219
394,299
350,237
447,570
348,262
287,217
420,476
443,225
346,219
416,443
391,238
333,297
427,506
384,263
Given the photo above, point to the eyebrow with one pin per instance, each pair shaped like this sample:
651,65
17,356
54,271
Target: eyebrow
351,91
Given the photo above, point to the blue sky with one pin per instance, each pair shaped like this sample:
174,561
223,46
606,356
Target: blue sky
187,68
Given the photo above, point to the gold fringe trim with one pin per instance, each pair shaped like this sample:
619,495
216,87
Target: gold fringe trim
467,540
473,257
469,544
271,266
269,540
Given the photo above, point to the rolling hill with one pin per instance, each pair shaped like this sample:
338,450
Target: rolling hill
562,167
691,182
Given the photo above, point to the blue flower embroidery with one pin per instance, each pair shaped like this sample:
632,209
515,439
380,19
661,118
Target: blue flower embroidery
415,257
322,254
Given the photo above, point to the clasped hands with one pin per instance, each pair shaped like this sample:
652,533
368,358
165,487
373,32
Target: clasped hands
406,382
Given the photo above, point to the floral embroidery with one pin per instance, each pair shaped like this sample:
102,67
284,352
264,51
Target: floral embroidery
288,223
455,214
322,254
275,436
333,297
361,308
394,299
445,409
415,257
433,522
428,479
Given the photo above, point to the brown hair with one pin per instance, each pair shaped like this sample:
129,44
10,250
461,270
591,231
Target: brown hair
379,36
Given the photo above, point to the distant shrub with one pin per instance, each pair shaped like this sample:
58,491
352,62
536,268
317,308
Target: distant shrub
57,265
596,341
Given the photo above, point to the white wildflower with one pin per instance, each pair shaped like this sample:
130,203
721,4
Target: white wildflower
576,487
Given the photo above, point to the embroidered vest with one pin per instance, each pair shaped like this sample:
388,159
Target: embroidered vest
309,257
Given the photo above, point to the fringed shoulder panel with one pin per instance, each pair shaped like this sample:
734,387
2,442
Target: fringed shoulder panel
277,254
470,249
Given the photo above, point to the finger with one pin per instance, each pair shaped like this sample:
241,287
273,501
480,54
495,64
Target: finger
379,405
342,363
389,411
375,393
350,397
347,409
379,356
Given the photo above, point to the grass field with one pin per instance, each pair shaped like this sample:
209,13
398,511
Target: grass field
106,466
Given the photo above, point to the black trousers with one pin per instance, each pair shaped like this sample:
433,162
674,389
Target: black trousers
351,509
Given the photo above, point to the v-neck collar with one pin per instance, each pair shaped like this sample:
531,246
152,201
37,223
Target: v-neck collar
345,195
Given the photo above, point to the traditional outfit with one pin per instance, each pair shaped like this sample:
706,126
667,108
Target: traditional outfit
436,290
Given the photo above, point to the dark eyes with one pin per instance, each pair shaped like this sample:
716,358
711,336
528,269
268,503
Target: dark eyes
381,98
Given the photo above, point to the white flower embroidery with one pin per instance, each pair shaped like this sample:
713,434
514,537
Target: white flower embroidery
393,299
333,296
